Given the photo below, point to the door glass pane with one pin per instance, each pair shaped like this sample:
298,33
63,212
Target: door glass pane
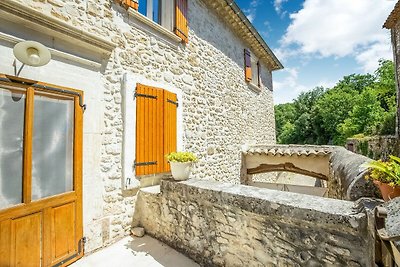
12,109
52,151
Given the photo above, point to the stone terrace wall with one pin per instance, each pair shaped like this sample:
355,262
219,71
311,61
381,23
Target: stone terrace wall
220,224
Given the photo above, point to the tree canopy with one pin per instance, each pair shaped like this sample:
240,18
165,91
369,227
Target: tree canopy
357,104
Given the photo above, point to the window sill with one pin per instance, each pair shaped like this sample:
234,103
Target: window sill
155,26
254,87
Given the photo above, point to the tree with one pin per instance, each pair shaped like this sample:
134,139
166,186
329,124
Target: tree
357,104
284,113
355,82
286,134
365,117
385,84
294,121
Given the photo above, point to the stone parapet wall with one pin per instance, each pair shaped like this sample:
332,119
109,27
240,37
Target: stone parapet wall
347,176
220,224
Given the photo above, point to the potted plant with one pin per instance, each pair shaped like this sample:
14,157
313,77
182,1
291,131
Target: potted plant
386,175
181,163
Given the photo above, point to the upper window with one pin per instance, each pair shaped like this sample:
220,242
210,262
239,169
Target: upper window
252,68
170,14
159,11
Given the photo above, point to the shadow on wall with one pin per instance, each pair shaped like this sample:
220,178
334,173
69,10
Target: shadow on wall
148,250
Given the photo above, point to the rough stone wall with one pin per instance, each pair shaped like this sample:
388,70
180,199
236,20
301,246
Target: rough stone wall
392,221
220,224
221,111
375,147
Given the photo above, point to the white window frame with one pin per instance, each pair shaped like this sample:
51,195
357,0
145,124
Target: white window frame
254,70
166,13
155,29
129,82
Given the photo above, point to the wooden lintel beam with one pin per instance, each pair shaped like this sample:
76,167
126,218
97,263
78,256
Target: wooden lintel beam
285,167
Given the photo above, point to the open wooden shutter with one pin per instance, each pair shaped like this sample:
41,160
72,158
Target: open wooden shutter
129,3
258,74
247,65
181,23
170,125
149,130
134,4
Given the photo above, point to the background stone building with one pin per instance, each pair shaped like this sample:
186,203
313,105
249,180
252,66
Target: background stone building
392,23
105,49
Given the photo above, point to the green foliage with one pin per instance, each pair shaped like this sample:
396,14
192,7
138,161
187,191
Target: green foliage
365,116
333,108
284,114
363,146
357,104
181,157
385,172
294,121
355,82
285,137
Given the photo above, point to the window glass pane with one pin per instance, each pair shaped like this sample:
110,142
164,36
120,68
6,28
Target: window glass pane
143,7
254,70
12,109
156,11
52,151
167,14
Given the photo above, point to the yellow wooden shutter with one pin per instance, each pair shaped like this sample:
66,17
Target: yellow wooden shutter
129,3
134,5
149,130
181,23
247,65
170,125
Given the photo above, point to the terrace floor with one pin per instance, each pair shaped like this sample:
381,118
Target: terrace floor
138,252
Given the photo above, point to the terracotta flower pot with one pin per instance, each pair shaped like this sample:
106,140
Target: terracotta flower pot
388,192
181,170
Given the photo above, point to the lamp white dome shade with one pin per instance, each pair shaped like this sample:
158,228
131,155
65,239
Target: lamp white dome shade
32,53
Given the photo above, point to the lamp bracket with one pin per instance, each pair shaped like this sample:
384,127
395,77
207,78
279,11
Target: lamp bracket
17,73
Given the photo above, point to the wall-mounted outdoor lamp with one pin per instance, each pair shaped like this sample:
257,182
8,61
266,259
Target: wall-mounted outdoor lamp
30,53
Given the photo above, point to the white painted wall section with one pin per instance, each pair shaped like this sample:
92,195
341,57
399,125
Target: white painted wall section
129,82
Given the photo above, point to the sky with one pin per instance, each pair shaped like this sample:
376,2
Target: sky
320,41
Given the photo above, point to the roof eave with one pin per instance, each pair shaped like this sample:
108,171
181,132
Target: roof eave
249,25
393,17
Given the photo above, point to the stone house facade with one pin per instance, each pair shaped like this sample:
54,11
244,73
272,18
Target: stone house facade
219,71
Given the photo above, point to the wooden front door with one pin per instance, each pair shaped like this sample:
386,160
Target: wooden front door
40,174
